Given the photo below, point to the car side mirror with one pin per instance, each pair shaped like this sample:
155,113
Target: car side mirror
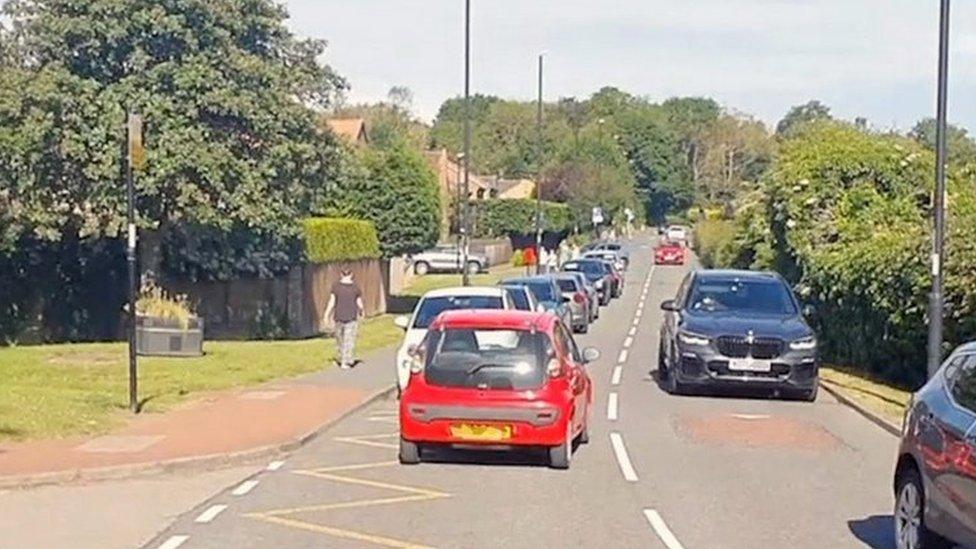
402,321
669,305
809,311
590,354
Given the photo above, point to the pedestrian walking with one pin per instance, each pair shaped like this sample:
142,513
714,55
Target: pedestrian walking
344,309
543,260
552,262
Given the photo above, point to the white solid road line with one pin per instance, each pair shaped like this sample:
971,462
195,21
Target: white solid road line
612,407
275,465
628,342
617,371
211,513
623,460
174,541
623,356
661,529
245,487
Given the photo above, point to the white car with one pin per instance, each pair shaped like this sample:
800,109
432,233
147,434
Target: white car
609,256
676,233
434,303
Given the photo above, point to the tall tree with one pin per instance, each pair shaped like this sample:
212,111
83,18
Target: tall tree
691,118
801,115
961,147
739,149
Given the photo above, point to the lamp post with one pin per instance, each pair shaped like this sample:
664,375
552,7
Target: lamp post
938,240
465,279
457,204
538,184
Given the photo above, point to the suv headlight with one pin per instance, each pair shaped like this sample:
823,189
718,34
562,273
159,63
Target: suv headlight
805,344
689,338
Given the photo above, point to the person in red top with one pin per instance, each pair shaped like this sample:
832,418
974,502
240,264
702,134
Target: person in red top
344,309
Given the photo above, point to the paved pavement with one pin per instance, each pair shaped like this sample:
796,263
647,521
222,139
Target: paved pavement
660,471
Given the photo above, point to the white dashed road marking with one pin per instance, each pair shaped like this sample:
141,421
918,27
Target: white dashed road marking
612,407
633,330
623,356
245,487
275,465
211,513
628,342
174,541
750,416
623,460
661,529
617,371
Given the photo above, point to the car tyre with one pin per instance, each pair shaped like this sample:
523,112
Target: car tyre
584,437
560,456
811,395
473,267
909,514
421,268
409,452
583,328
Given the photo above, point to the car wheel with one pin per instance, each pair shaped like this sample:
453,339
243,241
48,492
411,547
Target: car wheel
583,328
584,437
474,267
910,529
811,395
675,387
560,456
421,268
662,367
409,452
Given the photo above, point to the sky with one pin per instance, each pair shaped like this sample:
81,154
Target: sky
870,58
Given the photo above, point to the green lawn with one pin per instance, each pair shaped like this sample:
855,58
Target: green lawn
51,391
880,397
423,284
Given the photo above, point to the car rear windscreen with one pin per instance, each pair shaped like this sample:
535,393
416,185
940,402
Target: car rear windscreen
566,285
433,306
588,267
520,298
770,297
486,359
542,289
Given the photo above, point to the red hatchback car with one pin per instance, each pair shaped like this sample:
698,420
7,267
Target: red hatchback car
497,380
669,253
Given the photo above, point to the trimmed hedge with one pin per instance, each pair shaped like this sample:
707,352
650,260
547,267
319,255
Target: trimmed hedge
500,217
336,239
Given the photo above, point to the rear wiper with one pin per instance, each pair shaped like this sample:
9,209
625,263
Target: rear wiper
478,368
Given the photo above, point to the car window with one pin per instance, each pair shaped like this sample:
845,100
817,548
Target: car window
588,267
520,298
566,344
487,359
433,306
963,385
566,285
742,295
543,290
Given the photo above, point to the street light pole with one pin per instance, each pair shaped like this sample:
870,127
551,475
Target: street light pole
538,184
457,205
936,304
465,279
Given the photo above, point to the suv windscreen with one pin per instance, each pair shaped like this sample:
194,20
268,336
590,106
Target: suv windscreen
491,359
769,297
433,306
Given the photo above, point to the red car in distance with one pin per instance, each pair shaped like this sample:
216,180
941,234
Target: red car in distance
497,380
669,253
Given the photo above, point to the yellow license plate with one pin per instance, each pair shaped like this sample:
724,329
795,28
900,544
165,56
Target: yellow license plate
468,431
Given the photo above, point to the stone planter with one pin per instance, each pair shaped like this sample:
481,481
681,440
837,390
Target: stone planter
164,337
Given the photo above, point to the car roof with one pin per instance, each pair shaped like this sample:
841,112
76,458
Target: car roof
526,279
715,274
491,291
966,348
494,319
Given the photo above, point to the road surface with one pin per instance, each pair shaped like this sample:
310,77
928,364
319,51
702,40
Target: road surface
660,471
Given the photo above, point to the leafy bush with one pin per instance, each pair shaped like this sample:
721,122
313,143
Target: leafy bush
710,238
507,217
518,259
844,215
333,239
156,302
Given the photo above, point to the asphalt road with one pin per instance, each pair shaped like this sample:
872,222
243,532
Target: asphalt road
660,471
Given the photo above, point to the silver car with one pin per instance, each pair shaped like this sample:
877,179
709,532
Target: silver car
447,258
575,296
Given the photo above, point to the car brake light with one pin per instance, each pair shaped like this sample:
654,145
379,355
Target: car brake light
579,298
554,368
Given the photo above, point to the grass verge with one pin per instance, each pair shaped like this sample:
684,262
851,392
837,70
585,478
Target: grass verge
423,284
886,400
53,391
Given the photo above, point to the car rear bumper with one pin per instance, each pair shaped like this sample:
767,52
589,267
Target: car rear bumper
669,261
535,424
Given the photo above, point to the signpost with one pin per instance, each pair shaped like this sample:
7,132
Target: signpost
133,159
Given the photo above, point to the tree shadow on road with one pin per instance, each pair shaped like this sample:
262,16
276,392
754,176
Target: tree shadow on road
877,531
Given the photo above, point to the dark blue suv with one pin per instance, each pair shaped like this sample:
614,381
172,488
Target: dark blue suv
935,478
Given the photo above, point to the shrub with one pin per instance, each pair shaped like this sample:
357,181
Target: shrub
334,239
518,259
512,217
710,238
156,302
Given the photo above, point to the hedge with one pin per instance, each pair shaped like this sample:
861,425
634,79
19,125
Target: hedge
336,239
500,217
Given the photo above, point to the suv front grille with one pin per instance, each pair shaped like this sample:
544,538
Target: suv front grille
763,348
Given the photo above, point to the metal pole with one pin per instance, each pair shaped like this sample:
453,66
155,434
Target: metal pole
457,206
538,184
466,210
131,261
938,241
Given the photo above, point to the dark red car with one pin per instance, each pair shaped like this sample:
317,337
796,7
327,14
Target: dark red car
497,380
669,253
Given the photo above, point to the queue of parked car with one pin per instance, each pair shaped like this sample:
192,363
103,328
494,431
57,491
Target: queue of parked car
498,367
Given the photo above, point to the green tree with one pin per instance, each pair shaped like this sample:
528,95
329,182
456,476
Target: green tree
801,115
691,118
961,148
738,149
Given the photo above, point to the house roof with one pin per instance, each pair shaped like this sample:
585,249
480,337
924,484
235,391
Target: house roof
353,129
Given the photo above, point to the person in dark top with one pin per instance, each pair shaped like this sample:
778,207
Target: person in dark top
344,309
